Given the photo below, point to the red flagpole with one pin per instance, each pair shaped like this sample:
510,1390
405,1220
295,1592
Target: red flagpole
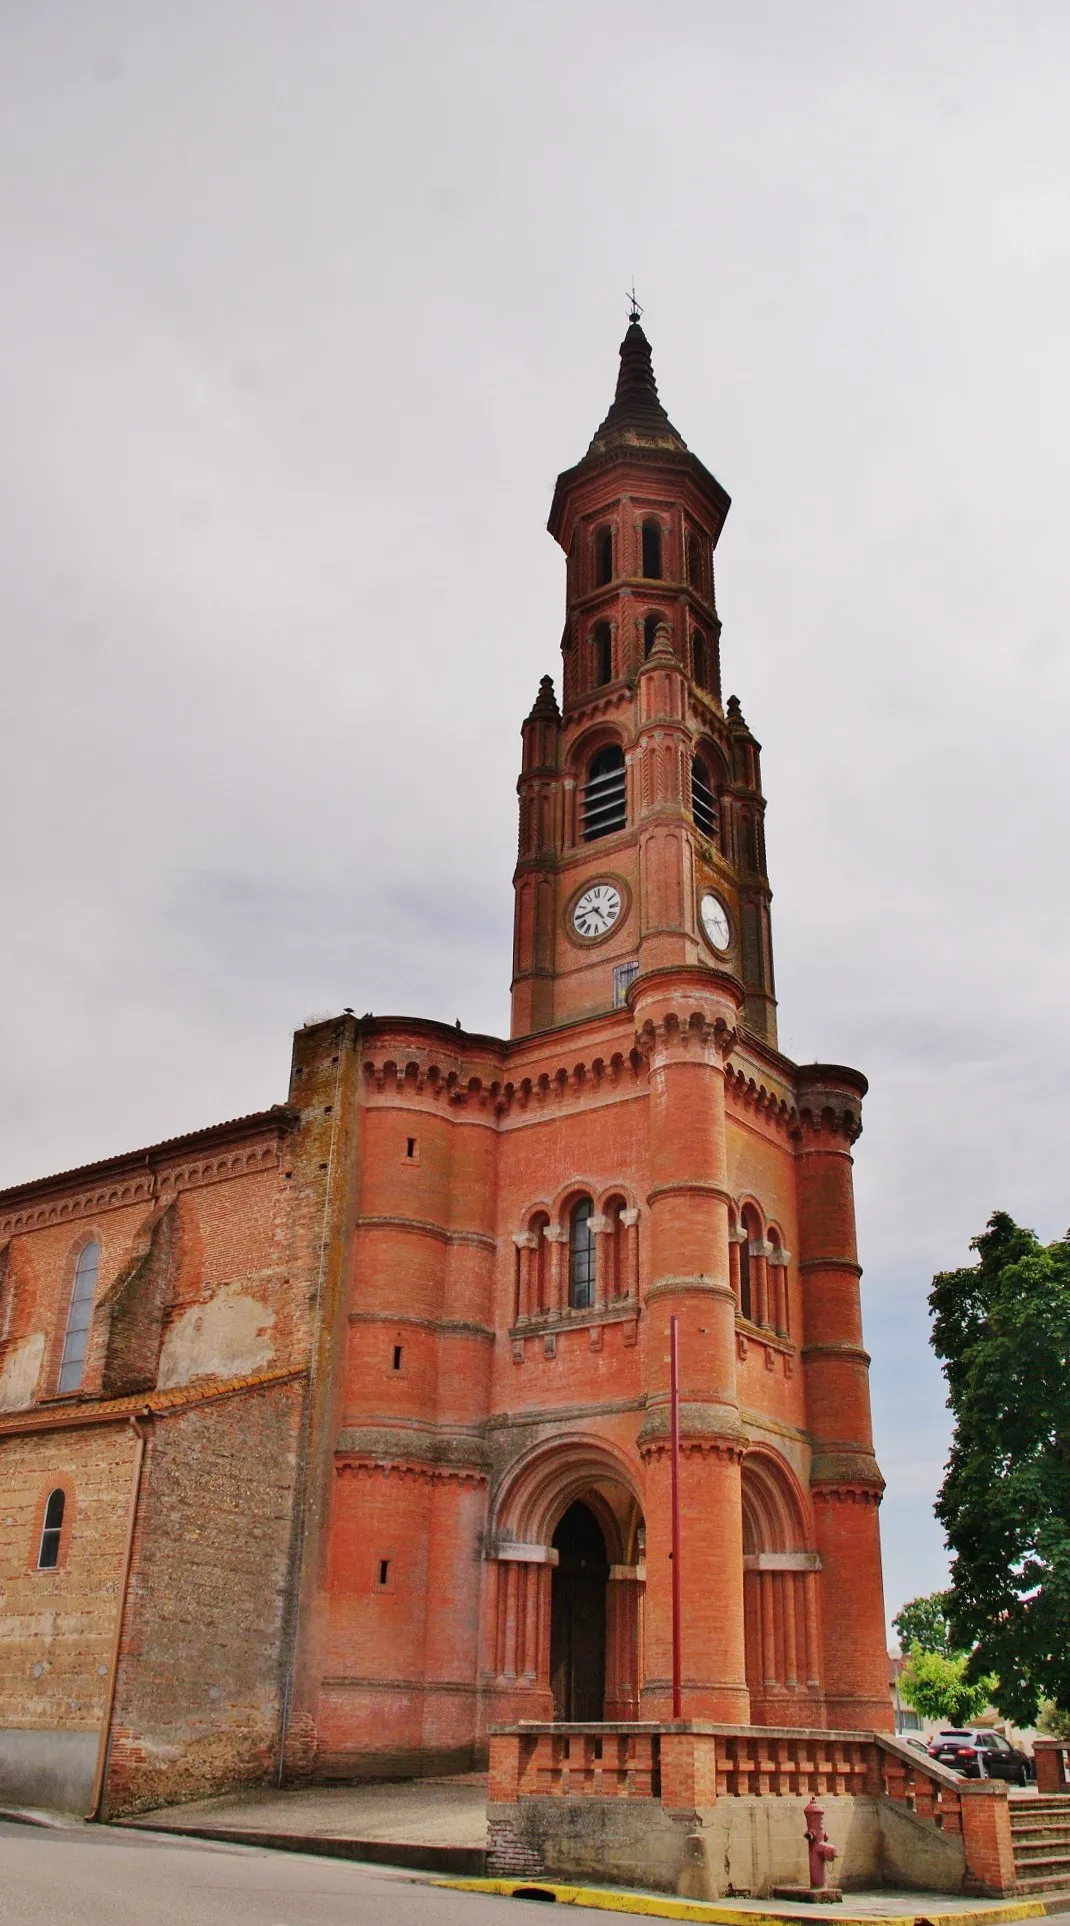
674,1410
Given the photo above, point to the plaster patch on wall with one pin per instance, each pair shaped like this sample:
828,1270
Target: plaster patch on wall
22,1365
222,1339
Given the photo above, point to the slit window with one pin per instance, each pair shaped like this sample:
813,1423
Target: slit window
384,1571
581,1256
603,653
410,1147
603,557
703,801
79,1318
48,1550
623,977
396,1366
603,802
652,550
694,560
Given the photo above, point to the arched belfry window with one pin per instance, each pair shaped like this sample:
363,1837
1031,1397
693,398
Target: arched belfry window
652,550
603,653
694,559
603,803
581,1251
650,629
51,1531
703,800
79,1318
699,667
603,557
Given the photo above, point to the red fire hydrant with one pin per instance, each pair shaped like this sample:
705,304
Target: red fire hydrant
817,1840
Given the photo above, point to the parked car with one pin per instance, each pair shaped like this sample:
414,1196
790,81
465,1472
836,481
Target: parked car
913,1739
981,1755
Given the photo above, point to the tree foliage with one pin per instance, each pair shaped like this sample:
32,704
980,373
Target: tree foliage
1052,1720
936,1684
923,1621
1002,1329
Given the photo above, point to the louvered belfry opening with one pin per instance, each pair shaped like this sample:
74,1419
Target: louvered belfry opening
604,807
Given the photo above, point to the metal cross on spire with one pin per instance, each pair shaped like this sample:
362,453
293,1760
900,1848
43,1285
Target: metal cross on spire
634,310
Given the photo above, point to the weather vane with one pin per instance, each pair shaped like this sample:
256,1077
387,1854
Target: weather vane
634,310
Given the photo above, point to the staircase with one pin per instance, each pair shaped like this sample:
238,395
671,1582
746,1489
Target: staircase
1040,1835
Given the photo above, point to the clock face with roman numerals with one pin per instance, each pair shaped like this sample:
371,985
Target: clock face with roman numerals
597,910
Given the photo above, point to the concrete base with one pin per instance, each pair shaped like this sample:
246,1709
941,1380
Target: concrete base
53,1769
746,1845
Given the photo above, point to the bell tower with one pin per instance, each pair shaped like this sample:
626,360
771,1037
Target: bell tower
641,813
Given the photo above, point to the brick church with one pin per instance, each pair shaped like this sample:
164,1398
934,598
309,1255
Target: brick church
335,1434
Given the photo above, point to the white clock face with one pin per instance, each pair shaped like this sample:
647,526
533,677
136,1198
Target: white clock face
597,910
715,921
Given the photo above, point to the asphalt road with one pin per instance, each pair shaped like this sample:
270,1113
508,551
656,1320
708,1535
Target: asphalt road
108,1877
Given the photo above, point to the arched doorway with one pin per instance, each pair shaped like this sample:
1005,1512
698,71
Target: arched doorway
578,1616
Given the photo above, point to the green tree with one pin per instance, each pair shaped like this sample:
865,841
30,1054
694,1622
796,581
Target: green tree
1002,1329
936,1685
923,1621
1052,1720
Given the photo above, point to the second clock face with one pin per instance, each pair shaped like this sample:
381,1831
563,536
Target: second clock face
597,910
715,921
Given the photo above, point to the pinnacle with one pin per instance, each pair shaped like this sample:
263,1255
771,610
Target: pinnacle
636,414
545,703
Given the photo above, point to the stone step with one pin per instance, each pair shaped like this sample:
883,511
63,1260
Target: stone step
1042,1829
1056,1883
1042,1854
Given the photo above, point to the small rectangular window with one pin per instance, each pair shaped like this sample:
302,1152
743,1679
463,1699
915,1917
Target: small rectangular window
384,1570
623,977
397,1357
410,1146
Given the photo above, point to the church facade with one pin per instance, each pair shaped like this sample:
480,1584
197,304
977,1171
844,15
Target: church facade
332,1436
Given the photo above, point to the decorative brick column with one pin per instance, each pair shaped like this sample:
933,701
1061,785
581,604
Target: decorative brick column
685,1022
846,1482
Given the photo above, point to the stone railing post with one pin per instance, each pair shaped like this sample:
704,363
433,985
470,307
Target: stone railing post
986,1836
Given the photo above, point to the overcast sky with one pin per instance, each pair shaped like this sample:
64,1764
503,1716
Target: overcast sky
305,305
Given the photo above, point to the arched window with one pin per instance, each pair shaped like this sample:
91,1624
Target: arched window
698,657
581,1256
603,803
744,1279
603,652
650,629
703,801
48,1550
652,550
79,1318
603,556
693,553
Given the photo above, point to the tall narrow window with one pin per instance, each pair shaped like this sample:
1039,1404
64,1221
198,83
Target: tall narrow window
703,800
694,559
48,1551
744,1279
652,550
603,799
650,629
581,1256
603,653
603,556
699,670
79,1318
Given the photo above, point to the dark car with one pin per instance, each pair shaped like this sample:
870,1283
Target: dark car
981,1755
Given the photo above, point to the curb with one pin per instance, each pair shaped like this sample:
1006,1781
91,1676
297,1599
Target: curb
653,1905
29,1816
407,1856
